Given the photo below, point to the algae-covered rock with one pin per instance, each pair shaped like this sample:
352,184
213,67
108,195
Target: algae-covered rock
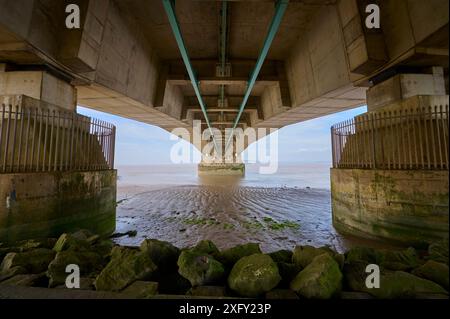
207,291
27,280
66,241
399,284
232,255
304,255
34,261
126,266
398,260
141,289
434,271
163,254
321,279
438,251
355,275
206,247
18,270
366,254
199,268
254,275
88,262
281,256
29,244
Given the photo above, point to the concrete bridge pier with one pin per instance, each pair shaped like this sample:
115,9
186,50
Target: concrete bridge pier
56,166
390,166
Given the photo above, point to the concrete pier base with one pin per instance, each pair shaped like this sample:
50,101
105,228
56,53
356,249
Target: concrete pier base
210,169
46,204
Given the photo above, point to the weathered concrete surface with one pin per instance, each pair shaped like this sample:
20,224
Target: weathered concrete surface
205,169
35,205
399,205
124,59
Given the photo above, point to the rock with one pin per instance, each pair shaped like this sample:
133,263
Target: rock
162,253
287,271
66,241
434,271
141,289
34,280
355,275
284,256
281,294
173,284
85,284
89,263
26,245
303,255
34,261
340,259
82,234
206,247
366,254
207,291
18,270
230,256
321,279
439,251
399,284
199,268
126,266
398,260
103,248
254,275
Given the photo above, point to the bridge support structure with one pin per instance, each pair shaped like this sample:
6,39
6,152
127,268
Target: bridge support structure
56,166
390,166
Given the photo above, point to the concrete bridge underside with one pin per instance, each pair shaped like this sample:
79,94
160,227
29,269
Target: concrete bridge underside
125,60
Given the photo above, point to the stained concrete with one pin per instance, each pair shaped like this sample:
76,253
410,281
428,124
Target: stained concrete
409,206
35,205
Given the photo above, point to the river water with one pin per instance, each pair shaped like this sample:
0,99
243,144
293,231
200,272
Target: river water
279,211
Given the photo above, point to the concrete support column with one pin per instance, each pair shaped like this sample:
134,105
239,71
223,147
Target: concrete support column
406,201
54,172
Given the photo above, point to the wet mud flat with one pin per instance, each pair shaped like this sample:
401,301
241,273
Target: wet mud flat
274,217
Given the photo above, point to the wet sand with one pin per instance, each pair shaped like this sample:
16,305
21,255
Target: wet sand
227,212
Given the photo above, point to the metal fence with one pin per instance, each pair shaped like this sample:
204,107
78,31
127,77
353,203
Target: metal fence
44,140
396,139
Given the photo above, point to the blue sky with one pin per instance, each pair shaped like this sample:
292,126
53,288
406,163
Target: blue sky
143,144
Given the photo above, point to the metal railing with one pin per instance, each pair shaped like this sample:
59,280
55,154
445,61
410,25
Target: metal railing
393,139
45,140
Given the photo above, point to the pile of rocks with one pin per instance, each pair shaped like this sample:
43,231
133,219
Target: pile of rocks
158,267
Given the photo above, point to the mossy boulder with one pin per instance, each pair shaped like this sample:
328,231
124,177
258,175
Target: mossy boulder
283,255
321,279
34,261
162,253
89,263
254,275
27,280
30,244
141,289
399,284
206,247
231,255
438,251
68,241
398,260
366,254
199,268
304,255
126,266
207,291
355,275
434,271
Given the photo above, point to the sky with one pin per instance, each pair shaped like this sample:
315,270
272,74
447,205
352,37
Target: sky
144,144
